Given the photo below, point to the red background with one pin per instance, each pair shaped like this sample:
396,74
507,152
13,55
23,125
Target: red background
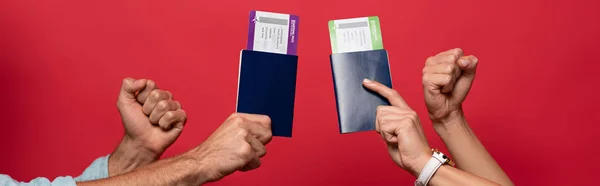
534,104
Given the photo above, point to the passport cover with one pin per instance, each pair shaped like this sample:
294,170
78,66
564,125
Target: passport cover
356,105
267,85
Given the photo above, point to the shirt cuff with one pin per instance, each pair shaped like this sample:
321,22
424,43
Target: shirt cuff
97,170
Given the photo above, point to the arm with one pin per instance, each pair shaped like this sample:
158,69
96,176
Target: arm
447,80
447,175
127,157
469,153
179,170
237,145
99,169
401,129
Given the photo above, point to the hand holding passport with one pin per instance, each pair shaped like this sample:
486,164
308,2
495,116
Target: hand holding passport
268,67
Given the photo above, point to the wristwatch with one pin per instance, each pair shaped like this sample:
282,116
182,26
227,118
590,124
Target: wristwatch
437,160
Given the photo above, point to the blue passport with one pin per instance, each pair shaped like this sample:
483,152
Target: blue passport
356,105
267,85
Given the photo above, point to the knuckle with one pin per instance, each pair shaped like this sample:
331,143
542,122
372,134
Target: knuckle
453,58
127,80
164,125
237,121
426,79
458,51
155,94
151,83
169,115
255,165
450,68
447,78
405,123
245,149
382,120
147,109
394,92
388,126
181,123
430,59
242,133
262,153
380,108
412,115
446,69
163,104
266,119
233,115
183,115
269,134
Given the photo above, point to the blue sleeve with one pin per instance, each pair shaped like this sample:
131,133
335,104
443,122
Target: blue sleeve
6,180
97,170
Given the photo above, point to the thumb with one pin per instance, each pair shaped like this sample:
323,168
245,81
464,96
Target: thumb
463,83
130,87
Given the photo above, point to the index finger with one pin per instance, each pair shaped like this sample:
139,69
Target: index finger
454,51
258,131
263,120
390,94
143,94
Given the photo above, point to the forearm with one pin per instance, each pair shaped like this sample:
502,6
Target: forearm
179,170
467,151
127,157
447,175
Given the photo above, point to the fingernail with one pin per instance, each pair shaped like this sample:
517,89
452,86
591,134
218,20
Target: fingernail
367,81
474,59
464,62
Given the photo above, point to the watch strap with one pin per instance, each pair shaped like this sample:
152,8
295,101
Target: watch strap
430,168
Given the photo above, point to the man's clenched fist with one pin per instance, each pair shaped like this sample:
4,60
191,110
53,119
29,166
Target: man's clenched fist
151,117
152,121
238,144
447,79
